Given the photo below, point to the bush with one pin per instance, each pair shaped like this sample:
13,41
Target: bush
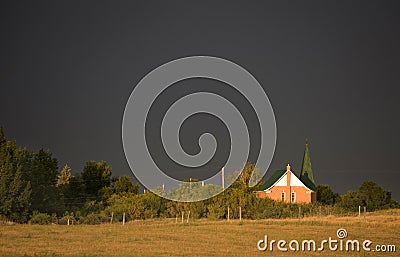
94,219
54,219
40,218
64,220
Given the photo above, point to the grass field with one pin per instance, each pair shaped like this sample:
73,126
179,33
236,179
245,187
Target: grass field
197,238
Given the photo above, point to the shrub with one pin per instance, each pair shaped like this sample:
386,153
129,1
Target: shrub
54,218
94,219
40,218
64,220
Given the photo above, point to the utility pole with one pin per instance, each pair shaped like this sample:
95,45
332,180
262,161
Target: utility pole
223,177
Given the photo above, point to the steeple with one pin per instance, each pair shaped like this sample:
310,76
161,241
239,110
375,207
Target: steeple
307,176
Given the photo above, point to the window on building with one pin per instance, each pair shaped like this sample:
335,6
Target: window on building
283,196
293,197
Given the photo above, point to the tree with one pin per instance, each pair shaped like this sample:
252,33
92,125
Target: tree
373,196
154,205
43,172
124,185
136,206
95,176
15,191
216,207
248,176
65,176
350,201
325,195
2,137
74,193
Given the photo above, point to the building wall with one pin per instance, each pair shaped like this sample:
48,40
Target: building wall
302,194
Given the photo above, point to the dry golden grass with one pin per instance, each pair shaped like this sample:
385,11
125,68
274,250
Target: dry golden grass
198,238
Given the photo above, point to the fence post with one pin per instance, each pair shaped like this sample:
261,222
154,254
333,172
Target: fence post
320,215
182,215
240,213
299,212
123,218
359,212
112,216
187,221
228,214
365,212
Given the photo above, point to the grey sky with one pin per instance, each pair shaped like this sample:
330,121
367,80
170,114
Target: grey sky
331,71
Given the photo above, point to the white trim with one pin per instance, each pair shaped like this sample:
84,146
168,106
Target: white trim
295,181
282,181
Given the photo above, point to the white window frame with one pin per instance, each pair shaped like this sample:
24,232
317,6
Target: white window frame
293,196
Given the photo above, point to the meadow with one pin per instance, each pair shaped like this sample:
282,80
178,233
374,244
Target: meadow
166,237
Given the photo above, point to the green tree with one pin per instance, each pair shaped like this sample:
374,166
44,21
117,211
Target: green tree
325,195
132,204
216,208
373,196
349,201
95,176
124,185
74,193
43,173
65,176
155,206
248,176
175,209
15,191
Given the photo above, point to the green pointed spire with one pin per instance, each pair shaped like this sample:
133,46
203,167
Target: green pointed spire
307,176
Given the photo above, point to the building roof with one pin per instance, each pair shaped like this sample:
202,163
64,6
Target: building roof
308,183
274,178
271,180
306,174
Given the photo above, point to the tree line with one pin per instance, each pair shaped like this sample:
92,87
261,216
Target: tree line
32,189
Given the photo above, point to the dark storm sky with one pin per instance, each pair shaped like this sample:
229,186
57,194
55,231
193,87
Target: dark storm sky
330,69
